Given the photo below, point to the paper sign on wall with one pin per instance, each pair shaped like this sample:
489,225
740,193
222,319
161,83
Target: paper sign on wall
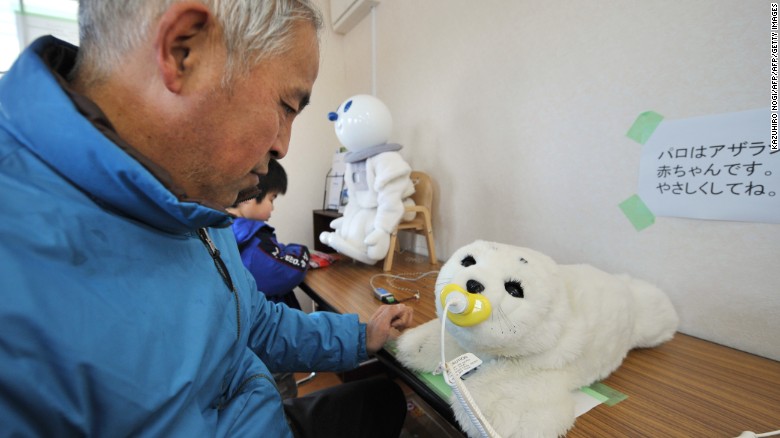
718,167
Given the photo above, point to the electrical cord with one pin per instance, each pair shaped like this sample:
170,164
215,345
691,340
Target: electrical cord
388,298
458,388
749,434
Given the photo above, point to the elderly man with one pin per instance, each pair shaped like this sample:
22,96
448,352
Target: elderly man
124,306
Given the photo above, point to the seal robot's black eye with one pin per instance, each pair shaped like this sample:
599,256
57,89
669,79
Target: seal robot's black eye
468,261
514,288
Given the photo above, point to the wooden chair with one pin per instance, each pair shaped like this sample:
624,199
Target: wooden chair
421,224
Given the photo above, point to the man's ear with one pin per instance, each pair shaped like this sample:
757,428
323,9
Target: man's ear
181,42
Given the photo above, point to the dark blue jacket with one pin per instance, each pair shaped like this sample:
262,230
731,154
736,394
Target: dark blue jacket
276,267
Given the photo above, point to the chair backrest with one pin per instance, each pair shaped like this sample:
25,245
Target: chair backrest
423,189
422,221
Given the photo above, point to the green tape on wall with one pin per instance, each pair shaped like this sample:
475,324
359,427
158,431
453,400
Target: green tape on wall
637,212
644,126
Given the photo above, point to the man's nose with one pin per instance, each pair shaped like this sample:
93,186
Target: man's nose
280,147
282,143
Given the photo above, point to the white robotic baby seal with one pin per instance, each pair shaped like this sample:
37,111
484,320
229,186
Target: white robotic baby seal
545,330
377,181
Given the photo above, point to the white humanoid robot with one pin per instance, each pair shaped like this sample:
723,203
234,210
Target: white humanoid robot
377,181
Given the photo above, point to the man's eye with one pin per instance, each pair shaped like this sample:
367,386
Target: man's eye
288,109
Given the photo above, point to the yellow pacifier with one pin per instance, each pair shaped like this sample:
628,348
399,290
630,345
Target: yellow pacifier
465,309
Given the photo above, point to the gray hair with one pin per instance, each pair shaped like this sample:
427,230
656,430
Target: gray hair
252,29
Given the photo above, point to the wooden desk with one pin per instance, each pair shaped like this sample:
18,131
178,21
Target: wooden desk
344,287
687,387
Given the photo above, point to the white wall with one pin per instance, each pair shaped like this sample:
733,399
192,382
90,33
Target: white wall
519,110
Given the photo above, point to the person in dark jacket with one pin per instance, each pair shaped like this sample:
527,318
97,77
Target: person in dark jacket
276,267
129,312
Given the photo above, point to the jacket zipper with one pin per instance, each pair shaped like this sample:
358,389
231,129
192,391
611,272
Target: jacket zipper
223,272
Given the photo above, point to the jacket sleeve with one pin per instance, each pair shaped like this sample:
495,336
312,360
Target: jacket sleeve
277,268
288,339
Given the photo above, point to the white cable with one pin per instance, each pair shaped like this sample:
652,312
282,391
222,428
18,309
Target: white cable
458,388
749,434
402,276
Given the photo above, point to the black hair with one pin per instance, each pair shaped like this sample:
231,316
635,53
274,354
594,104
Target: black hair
274,181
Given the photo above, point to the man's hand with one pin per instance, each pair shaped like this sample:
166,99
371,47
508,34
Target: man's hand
385,324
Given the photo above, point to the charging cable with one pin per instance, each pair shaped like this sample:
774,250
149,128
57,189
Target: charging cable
459,304
387,297
749,434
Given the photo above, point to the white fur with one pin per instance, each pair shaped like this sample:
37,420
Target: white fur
574,326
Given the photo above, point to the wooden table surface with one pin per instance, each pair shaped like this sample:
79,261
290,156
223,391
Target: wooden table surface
687,387
345,286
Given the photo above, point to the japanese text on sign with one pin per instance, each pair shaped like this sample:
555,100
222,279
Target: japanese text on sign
713,167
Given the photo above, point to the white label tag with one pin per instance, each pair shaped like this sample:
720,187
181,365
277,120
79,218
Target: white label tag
463,364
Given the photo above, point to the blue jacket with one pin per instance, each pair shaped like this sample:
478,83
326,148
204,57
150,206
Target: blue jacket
114,319
276,267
